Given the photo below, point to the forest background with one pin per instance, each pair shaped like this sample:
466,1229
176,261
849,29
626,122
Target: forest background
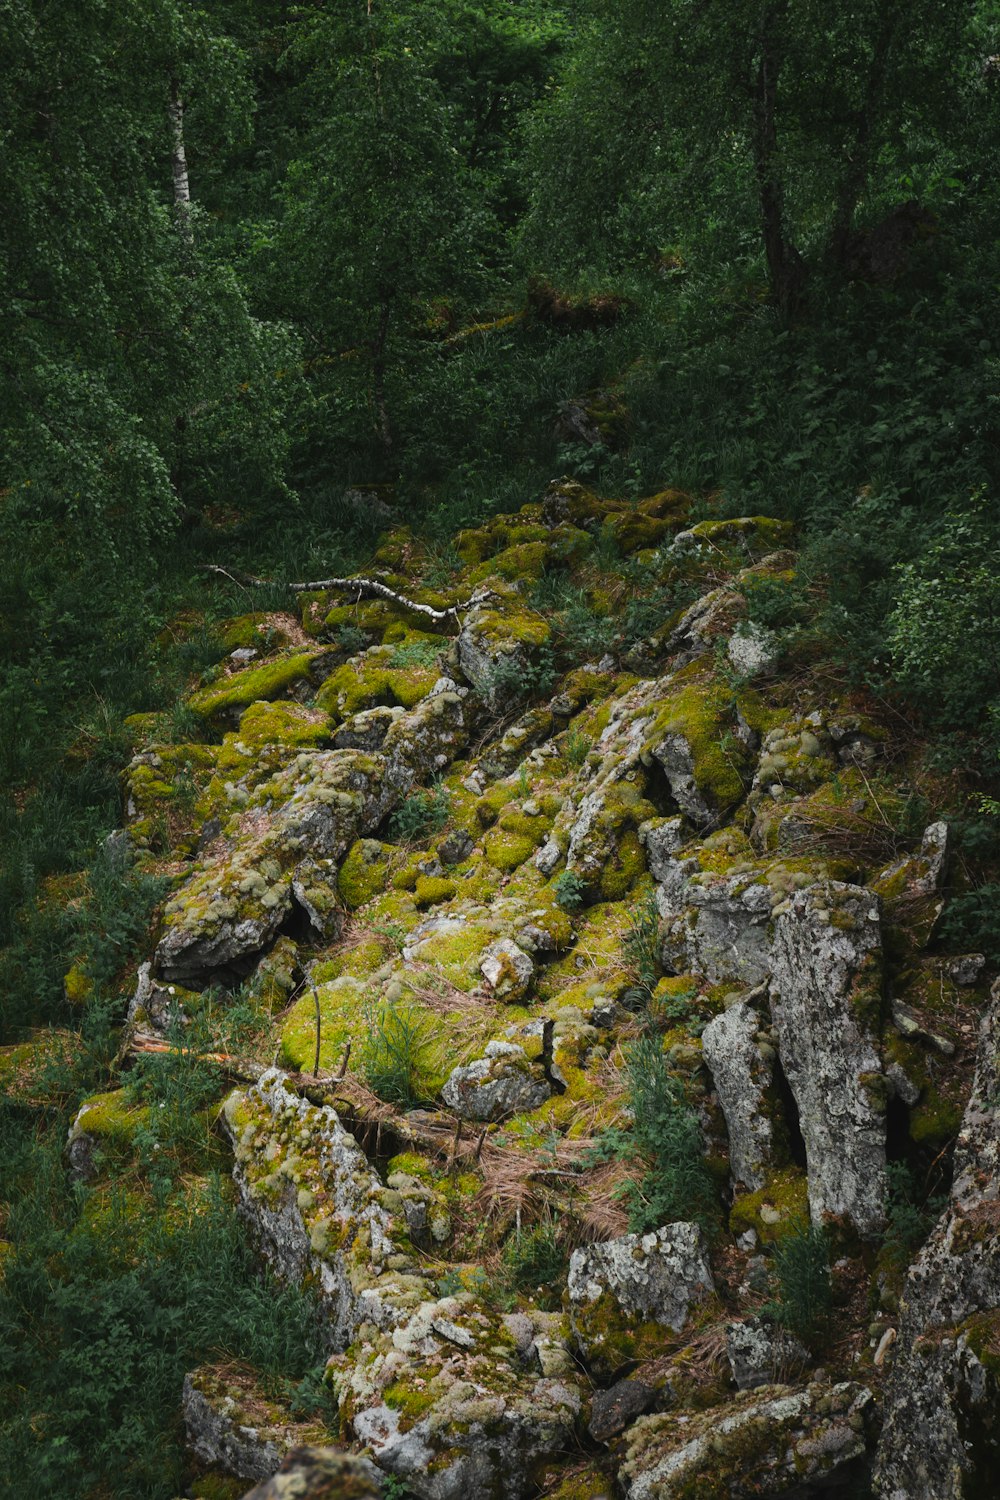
272,274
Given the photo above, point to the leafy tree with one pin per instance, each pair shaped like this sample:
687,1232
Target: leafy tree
379,217
782,121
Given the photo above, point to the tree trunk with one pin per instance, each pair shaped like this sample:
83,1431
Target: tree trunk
785,270
378,372
855,177
178,162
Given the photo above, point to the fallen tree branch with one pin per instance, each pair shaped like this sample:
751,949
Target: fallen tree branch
364,588
359,1108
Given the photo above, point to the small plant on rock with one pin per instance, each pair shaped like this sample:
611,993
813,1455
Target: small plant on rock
393,1055
570,890
422,812
534,1262
577,748
642,947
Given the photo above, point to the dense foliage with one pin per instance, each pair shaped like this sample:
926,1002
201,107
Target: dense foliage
435,252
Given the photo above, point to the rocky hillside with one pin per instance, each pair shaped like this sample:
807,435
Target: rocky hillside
601,1069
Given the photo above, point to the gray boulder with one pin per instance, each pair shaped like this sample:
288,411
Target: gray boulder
760,1354
231,1425
742,1073
775,1441
941,1435
316,1473
454,1406
826,996
497,1085
315,1208
656,1279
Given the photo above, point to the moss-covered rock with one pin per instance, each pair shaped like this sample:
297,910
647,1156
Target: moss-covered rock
770,1441
233,1426
232,693
374,679
625,1294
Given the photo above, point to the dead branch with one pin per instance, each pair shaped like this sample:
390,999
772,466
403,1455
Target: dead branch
363,588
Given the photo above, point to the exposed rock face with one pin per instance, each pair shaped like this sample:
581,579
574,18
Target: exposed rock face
762,1355
282,848
495,1086
455,1408
825,993
231,1426
508,969
773,1441
718,926
742,1073
320,1474
314,1206
941,1436
752,816
656,1278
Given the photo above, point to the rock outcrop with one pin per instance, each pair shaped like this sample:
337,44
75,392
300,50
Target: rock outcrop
447,866
941,1434
777,1440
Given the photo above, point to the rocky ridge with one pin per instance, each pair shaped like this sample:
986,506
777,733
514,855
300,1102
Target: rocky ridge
464,869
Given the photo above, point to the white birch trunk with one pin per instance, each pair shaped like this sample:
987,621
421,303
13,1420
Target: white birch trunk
178,161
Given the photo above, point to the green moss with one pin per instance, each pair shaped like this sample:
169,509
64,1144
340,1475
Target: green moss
616,1338
624,868
413,1402
371,681
524,561
217,1487
344,1003
78,987
493,801
758,534
982,1333
506,851
786,1193
701,713
243,688
431,890
112,1119
634,529
290,725
364,872
935,1119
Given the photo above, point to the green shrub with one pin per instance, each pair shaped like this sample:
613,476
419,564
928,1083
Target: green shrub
535,1262
642,945
416,654
392,1056
103,1309
422,813
666,1130
802,1273
577,747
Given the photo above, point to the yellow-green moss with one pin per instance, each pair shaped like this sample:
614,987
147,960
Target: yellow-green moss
431,890
264,682
506,851
786,1192
701,714
363,873
370,681
634,529
78,986
112,1118
522,562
